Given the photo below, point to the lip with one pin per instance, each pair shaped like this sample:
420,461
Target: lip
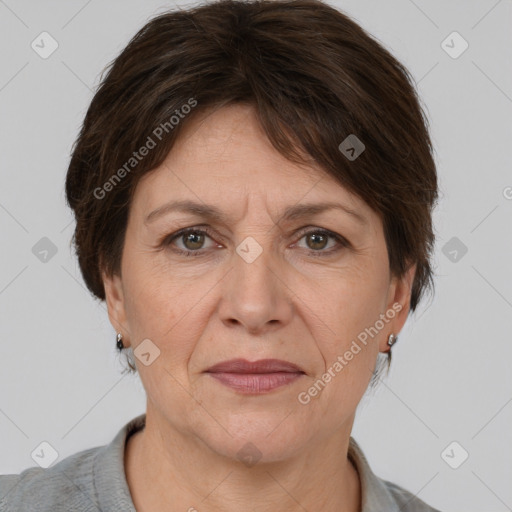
255,367
256,377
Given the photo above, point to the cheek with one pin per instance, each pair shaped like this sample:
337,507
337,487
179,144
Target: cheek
167,309
350,345
351,301
148,308
349,355
152,296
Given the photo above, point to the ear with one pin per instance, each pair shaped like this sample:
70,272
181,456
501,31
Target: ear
114,297
399,300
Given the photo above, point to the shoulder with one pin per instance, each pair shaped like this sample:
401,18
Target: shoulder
406,500
379,494
68,485
87,481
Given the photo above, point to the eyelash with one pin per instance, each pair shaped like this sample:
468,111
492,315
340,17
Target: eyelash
320,253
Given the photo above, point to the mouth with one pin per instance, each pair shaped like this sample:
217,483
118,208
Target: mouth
256,367
255,377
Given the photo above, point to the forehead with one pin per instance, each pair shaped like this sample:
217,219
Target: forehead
225,158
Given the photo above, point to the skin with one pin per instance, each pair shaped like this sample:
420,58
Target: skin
287,304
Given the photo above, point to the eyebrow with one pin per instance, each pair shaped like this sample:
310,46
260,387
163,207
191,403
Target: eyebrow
215,214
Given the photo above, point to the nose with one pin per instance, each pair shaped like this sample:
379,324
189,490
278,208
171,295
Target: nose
255,294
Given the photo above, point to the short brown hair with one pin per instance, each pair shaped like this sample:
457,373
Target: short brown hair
314,77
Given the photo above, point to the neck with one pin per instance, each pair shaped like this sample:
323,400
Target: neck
169,470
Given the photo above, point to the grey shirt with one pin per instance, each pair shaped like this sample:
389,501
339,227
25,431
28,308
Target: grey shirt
94,480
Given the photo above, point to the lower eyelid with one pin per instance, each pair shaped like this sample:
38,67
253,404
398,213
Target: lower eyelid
173,238
340,241
332,237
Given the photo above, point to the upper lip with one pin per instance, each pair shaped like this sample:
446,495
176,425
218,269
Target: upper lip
261,366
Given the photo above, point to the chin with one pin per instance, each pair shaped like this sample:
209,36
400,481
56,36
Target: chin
257,438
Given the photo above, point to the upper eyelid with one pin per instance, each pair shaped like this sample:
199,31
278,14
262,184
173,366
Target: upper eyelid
206,230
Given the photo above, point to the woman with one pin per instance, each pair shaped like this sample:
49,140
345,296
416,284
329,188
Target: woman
253,187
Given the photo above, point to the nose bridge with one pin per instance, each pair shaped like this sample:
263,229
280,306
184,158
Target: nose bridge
254,261
254,264
255,295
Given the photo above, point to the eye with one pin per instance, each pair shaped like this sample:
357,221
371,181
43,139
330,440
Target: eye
317,240
193,240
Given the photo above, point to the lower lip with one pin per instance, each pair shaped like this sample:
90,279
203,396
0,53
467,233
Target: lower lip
256,383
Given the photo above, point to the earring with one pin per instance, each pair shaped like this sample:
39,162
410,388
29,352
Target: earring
392,340
119,341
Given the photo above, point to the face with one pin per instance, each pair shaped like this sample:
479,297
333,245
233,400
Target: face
253,282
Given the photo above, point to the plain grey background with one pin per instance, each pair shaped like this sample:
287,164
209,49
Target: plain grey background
60,378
